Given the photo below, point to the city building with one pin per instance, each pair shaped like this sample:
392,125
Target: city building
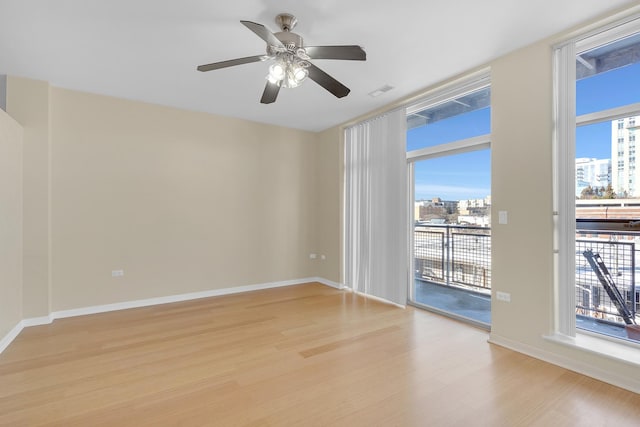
624,175
474,206
594,173
434,209
475,212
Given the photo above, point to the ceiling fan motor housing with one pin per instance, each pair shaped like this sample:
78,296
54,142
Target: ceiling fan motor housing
292,41
286,21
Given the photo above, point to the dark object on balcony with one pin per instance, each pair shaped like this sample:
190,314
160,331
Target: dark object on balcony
633,332
600,269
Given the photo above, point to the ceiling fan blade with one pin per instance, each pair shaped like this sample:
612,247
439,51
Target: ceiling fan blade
349,52
232,62
327,82
270,93
263,32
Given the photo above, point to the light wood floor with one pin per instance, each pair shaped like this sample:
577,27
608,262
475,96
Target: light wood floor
306,355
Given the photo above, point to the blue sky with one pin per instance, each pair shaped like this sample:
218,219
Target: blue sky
603,91
467,176
462,176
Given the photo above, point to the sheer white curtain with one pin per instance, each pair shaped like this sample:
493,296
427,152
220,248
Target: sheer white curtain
376,252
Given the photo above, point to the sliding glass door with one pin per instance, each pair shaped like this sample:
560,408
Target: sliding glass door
452,235
448,151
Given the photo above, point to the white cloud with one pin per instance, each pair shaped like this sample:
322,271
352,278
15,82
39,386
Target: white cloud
450,192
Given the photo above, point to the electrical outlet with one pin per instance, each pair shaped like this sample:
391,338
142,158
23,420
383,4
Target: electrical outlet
117,273
503,296
313,256
503,217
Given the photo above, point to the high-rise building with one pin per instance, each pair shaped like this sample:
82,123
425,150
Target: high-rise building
594,173
624,174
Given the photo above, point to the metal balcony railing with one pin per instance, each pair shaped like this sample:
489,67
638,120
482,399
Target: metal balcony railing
460,256
618,251
453,255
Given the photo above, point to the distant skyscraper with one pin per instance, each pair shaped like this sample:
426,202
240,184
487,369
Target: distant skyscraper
594,173
624,174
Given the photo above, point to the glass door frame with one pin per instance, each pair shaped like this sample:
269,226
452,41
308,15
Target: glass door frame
468,145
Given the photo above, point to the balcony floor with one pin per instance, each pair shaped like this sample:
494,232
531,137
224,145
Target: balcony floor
463,303
475,306
596,326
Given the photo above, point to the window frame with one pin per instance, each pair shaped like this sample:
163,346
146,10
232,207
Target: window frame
564,170
469,84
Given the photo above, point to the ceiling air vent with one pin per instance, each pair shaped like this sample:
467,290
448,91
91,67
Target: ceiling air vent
380,91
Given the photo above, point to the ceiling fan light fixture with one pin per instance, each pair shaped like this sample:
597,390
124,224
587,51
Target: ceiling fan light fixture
287,72
298,74
295,75
277,72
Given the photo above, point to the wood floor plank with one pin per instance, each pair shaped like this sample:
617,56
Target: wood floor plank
300,355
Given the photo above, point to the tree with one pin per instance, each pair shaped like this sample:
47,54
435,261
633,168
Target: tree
590,192
587,193
609,193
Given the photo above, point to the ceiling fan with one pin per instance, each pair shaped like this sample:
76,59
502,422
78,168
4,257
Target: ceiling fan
292,59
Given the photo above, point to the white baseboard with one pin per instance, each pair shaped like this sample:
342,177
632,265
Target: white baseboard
627,382
13,333
35,321
173,298
328,283
180,297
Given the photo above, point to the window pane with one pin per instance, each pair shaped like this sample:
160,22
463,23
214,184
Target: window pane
456,177
593,158
607,77
452,235
460,118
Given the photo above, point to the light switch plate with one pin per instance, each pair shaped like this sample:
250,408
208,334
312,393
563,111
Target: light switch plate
502,217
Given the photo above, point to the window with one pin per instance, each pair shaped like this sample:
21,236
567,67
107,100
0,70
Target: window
597,94
448,152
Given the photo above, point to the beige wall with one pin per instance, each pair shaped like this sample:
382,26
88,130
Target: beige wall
521,156
521,149
29,104
181,201
328,234
10,223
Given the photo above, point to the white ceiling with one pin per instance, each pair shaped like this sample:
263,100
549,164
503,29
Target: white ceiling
148,50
